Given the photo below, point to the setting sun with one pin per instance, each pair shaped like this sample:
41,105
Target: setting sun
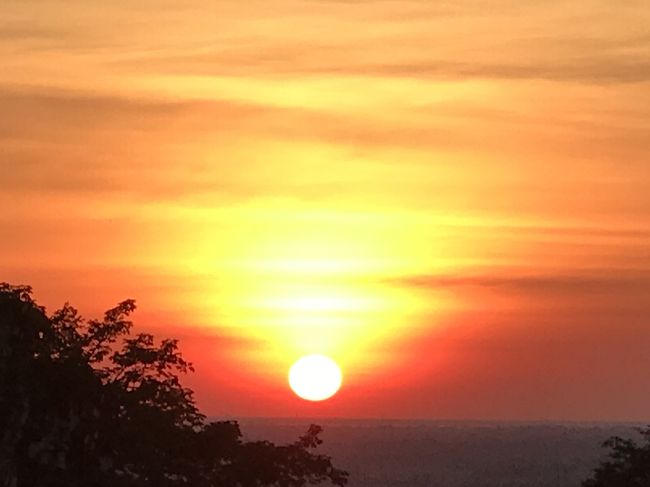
315,377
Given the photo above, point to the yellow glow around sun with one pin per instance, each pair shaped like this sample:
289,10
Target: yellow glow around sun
299,280
315,377
302,281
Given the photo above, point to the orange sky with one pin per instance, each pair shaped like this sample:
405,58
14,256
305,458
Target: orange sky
448,199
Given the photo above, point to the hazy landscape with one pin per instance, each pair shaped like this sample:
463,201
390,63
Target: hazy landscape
389,453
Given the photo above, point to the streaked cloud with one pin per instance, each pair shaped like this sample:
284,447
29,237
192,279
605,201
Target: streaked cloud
610,281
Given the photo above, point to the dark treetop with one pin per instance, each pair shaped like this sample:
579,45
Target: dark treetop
628,464
84,403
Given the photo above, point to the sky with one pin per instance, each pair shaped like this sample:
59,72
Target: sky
448,198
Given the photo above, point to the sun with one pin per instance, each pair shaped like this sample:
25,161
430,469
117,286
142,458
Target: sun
315,377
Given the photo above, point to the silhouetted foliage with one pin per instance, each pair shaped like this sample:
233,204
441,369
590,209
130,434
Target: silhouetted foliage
82,403
628,464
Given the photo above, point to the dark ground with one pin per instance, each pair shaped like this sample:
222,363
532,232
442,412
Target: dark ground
382,453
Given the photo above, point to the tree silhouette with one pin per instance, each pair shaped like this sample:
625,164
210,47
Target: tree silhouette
628,464
83,403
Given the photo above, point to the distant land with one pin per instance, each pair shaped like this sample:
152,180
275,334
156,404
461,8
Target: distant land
419,453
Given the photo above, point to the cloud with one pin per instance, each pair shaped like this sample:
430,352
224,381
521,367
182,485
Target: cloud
27,31
614,280
588,70
72,141
549,57
74,109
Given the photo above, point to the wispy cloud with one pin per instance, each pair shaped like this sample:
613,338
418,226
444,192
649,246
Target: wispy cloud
596,65
615,282
25,31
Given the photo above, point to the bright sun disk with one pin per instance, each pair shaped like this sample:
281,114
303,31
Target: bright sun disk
315,377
